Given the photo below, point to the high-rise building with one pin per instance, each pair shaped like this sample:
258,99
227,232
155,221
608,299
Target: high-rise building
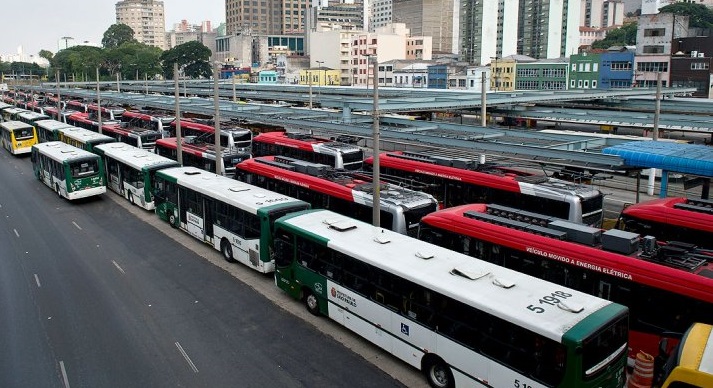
435,18
146,18
267,17
535,28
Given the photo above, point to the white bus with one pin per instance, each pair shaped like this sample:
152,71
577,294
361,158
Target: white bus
462,321
48,130
83,138
130,171
234,217
71,172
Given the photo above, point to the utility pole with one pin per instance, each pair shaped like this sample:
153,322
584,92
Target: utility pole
376,215
99,105
176,97
216,119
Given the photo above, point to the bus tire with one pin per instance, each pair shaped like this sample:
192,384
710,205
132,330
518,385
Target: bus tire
172,220
59,192
437,372
227,250
311,302
131,198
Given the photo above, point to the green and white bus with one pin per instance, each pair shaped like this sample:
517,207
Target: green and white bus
130,171
460,320
17,137
83,138
72,172
234,217
48,130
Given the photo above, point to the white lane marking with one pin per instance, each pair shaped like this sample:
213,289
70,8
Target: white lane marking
188,359
37,280
118,267
16,234
64,374
78,227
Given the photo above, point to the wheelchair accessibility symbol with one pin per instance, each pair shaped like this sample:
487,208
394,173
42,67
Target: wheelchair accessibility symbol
404,329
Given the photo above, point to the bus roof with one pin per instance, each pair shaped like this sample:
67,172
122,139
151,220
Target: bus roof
233,192
678,211
33,115
135,157
349,185
695,281
12,125
305,141
85,135
467,170
63,152
496,290
51,124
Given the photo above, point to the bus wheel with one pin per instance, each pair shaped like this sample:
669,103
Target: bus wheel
438,373
311,302
59,193
227,251
172,220
131,198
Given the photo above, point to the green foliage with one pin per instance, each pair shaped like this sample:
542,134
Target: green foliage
46,54
78,60
699,15
192,56
116,35
131,57
622,36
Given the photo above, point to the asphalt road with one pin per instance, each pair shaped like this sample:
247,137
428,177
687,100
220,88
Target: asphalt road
98,294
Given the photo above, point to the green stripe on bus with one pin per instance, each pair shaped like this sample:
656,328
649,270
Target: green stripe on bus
590,323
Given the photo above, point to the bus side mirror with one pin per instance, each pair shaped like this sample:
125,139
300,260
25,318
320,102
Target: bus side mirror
663,346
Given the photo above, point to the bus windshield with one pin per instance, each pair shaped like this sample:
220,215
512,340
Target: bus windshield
23,133
242,140
83,168
604,347
356,156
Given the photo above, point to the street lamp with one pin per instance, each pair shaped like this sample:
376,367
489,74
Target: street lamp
319,84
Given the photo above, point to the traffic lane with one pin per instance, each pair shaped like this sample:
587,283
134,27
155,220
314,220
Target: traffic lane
198,345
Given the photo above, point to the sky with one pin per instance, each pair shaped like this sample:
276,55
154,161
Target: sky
40,24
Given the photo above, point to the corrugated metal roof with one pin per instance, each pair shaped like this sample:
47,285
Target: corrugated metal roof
677,157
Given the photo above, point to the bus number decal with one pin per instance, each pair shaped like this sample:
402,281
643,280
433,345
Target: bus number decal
552,300
519,384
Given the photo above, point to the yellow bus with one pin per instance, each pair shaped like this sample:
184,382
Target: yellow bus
691,362
17,137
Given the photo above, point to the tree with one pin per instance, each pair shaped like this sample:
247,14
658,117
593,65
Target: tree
133,57
116,35
78,60
46,54
622,36
192,56
699,15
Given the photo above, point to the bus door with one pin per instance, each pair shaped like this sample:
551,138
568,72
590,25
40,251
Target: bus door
194,214
114,178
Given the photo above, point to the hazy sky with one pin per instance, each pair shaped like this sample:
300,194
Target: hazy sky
39,24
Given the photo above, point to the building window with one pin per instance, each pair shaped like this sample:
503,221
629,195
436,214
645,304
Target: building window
699,66
655,32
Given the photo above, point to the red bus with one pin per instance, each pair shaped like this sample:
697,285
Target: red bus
233,137
667,287
310,148
149,119
77,105
108,112
200,155
676,218
135,136
342,191
461,180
